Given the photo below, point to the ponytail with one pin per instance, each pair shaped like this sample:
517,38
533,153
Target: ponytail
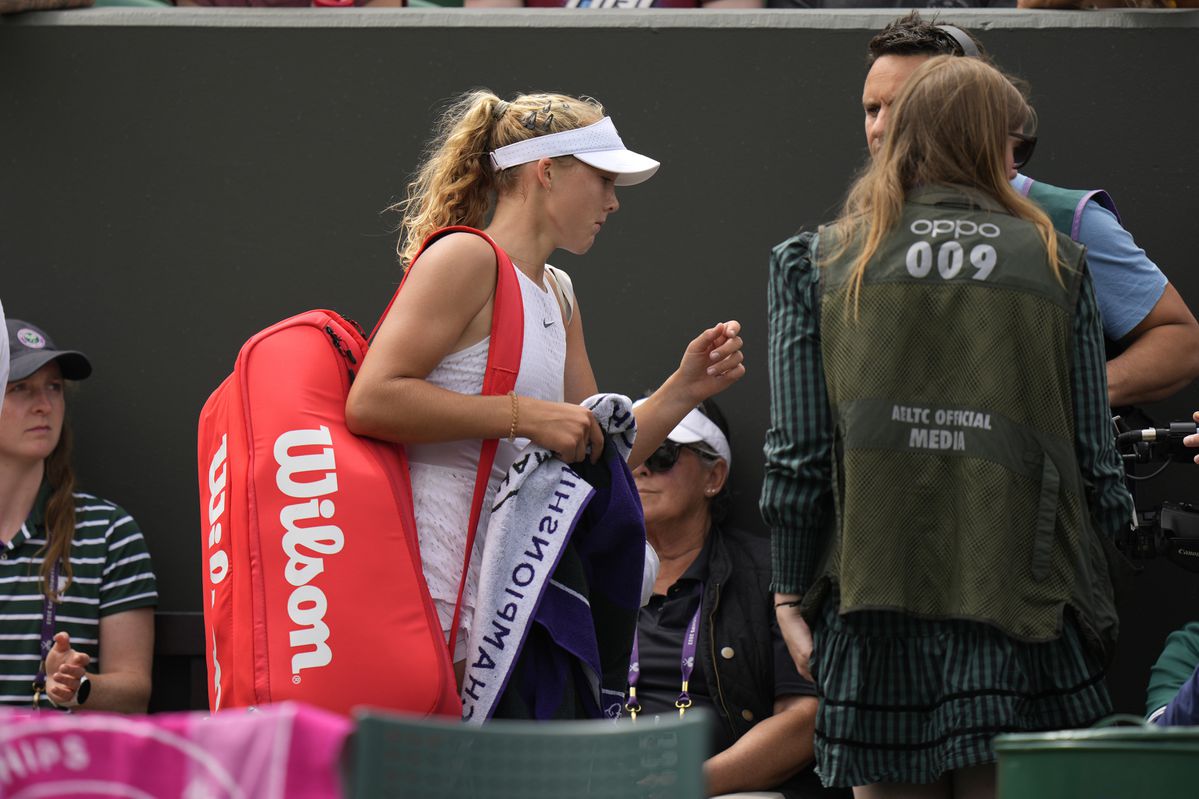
456,184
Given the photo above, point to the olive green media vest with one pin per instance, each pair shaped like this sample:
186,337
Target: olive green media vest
957,489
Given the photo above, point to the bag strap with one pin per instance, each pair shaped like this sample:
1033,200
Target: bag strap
49,611
564,288
503,364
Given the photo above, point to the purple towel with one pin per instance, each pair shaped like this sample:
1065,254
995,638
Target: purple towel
560,583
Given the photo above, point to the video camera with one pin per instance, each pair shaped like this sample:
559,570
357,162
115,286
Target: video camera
1171,530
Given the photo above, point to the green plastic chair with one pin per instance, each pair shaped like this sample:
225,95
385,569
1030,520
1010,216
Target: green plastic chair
1138,761
404,756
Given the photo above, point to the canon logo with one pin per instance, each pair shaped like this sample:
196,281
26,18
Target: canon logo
307,545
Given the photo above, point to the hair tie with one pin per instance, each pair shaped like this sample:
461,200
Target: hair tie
500,109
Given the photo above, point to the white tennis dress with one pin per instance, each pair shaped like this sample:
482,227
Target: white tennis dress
443,475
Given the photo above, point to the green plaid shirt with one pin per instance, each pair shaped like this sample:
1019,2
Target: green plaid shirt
797,499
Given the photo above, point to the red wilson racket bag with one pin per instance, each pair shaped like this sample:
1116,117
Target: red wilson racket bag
312,578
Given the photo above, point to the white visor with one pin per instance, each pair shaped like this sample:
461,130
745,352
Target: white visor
597,145
696,428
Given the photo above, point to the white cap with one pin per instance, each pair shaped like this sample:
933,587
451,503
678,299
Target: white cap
596,145
696,428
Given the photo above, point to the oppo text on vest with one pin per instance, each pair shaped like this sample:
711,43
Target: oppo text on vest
958,227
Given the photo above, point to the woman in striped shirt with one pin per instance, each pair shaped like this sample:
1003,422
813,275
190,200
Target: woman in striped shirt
76,588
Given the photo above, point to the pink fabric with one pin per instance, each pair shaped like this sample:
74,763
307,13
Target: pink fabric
284,750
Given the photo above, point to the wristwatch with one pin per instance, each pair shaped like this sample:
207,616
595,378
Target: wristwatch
85,690
81,694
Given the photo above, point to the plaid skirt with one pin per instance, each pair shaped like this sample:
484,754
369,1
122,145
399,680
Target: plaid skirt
906,700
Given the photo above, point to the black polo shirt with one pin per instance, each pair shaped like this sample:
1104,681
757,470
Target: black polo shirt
661,627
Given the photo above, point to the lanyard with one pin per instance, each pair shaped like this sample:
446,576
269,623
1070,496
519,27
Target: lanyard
48,614
686,664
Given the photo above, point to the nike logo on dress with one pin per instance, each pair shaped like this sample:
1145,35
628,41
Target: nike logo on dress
547,324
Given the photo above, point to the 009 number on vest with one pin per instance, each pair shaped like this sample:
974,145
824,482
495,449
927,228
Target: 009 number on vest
950,258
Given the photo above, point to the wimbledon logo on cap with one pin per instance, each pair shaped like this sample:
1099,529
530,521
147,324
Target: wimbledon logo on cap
31,338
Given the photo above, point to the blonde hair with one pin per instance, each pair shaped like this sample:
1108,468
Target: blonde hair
456,184
950,125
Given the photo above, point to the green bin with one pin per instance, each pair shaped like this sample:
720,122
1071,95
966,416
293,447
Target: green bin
1142,762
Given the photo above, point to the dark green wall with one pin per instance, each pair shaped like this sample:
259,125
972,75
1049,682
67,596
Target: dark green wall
172,181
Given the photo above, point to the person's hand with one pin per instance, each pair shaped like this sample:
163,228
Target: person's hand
796,633
1193,440
64,669
564,429
713,361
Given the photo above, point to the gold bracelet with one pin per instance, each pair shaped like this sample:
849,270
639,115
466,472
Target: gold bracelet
515,415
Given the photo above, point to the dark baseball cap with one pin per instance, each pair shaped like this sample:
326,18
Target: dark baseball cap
30,348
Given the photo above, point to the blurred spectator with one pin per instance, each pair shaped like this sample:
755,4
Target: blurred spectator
293,3
13,6
74,570
1173,695
891,4
1100,4
614,3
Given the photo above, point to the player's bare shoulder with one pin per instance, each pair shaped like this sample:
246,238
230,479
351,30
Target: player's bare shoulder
459,259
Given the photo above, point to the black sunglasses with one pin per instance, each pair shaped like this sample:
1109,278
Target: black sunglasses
666,456
1022,152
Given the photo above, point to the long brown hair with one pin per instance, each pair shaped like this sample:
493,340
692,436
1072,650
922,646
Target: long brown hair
950,125
60,512
455,184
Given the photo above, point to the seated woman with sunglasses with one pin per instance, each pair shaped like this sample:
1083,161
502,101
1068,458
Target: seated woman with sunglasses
717,579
